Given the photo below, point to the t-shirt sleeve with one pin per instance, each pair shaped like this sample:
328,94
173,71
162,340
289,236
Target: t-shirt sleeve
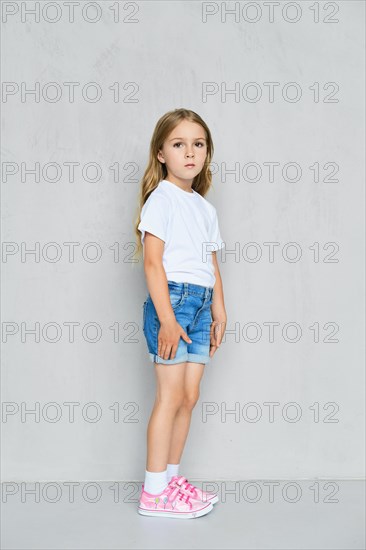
154,217
216,239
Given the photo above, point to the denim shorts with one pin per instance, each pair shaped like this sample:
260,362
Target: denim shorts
191,304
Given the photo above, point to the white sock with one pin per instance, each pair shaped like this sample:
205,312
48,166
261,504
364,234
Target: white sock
155,482
172,470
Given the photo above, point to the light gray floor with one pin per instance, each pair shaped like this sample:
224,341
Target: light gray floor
247,518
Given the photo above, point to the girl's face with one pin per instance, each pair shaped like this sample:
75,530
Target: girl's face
186,145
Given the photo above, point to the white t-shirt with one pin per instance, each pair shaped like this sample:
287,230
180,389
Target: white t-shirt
188,225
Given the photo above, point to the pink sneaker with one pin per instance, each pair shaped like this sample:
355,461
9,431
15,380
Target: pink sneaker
172,503
193,491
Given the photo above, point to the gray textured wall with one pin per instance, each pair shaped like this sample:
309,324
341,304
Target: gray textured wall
163,55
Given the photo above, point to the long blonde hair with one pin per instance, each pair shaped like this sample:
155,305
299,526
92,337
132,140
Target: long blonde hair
157,171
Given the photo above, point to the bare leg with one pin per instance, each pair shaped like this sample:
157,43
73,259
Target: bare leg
169,397
192,379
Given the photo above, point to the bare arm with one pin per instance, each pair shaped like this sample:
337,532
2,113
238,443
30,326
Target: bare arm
156,280
157,284
218,306
218,311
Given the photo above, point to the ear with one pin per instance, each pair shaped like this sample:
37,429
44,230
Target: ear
160,157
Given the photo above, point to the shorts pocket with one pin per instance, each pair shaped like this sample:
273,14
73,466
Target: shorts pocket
177,299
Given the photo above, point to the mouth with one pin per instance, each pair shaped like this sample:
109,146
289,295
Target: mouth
189,165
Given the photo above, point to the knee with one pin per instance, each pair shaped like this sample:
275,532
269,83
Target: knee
190,399
172,400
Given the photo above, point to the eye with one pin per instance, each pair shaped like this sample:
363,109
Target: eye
200,143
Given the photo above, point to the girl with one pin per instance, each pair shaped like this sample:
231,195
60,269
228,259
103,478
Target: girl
184,316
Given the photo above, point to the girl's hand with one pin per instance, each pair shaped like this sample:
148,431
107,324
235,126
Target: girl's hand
217,330
168,338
